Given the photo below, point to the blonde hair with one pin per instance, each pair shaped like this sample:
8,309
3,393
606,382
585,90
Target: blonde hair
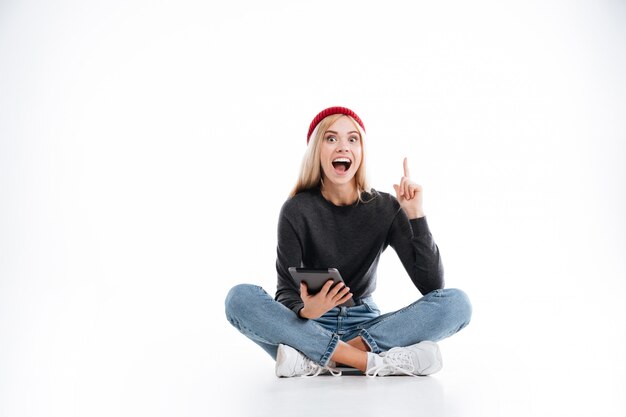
311,169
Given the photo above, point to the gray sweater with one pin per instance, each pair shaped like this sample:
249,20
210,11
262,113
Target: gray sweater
315,233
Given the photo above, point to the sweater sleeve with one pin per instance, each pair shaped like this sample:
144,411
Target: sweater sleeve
414,244
288,253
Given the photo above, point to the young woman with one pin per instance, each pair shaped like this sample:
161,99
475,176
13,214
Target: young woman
334,219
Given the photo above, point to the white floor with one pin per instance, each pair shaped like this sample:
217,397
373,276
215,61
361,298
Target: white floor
554,367
569,364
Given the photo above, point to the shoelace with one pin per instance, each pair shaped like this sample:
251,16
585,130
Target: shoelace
333,371
394,361
313,369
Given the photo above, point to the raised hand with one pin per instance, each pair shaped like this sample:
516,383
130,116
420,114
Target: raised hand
409,194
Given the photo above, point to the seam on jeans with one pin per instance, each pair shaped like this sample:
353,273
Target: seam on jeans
369,341
332,345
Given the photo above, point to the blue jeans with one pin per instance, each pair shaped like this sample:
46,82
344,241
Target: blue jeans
435,316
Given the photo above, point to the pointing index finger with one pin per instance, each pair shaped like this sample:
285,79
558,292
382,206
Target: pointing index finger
406,167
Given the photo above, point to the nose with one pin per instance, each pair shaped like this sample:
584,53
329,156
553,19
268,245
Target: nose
343,147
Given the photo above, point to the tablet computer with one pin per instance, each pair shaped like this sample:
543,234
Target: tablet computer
316,278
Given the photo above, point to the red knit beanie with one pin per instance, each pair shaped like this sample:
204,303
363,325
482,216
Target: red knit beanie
332,110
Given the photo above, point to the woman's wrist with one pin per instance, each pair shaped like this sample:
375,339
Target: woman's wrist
306,314
415,214
302,313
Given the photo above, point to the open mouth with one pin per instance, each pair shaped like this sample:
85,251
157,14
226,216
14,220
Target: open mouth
341,165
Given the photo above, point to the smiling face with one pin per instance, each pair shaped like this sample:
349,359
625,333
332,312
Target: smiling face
341,151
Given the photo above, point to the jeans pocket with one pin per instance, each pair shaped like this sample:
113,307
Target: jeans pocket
371,306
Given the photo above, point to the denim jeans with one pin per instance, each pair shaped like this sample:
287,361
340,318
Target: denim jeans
435,316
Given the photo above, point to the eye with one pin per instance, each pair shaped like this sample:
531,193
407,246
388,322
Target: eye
354,139
331,139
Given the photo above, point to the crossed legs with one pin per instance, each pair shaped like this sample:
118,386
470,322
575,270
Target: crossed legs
257,315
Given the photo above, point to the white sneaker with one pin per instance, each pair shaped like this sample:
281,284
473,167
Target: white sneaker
290,362
423,358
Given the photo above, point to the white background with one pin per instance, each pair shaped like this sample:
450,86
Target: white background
147,147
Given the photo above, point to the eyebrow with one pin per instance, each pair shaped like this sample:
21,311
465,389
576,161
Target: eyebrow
332,131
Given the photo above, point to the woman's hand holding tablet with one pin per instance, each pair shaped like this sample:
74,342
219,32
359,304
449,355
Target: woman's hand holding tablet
320,290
